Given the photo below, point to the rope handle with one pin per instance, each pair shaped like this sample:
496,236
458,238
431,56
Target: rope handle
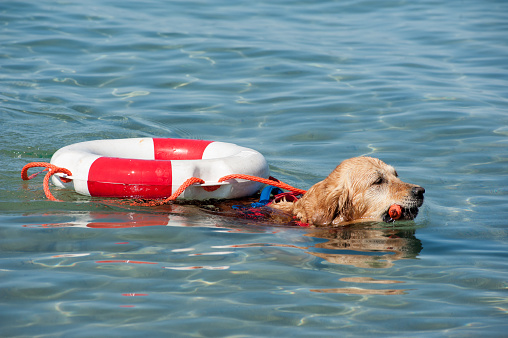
53,169
185,185
269,181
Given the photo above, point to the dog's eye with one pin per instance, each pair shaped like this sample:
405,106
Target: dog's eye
379,180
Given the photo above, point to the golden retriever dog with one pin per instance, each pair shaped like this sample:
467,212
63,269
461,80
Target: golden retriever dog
359,189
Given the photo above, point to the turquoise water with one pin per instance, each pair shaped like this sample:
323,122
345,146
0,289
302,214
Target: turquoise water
421,85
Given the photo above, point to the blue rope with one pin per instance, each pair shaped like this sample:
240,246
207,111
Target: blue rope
264,199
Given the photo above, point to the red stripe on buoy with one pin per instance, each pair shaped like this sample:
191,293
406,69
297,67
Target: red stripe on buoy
179,149
120,177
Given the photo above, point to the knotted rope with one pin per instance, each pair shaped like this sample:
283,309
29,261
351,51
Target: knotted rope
51,169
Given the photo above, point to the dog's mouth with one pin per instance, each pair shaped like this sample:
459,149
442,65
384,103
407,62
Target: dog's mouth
407,209
407,213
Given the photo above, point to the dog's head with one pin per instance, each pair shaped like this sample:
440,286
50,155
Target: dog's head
359,189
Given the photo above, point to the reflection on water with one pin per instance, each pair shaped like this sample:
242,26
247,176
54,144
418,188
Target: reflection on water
366,246
95,219
360,291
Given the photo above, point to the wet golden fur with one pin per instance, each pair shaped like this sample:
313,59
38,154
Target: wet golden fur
359,189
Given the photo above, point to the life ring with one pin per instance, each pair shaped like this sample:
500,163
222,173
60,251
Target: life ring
154,168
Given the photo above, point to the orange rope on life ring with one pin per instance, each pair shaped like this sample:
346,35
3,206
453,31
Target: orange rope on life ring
271,181
185,185
51,169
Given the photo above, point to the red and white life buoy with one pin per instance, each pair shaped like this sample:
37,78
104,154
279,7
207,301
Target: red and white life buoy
156,167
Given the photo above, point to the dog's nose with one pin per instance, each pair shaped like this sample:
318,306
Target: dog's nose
418,191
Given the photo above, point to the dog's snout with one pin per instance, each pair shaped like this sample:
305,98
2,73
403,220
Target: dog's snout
418,191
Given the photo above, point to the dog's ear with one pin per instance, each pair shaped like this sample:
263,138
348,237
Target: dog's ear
325,203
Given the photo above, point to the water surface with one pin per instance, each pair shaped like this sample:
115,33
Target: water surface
421,85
